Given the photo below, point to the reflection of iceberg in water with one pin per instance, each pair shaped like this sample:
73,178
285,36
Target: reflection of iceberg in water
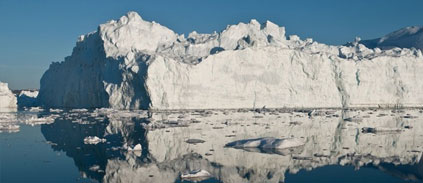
405,172
91,159
329,140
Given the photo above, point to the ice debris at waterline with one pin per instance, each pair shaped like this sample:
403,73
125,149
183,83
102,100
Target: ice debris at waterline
135,64
7,99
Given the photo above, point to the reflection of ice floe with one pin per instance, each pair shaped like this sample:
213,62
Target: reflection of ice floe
93,140
8,122
135,150
137,147
114,113
35,119
8,117
78,110
56,110
7,127
95,168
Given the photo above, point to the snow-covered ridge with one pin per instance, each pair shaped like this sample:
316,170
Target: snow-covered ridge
132,63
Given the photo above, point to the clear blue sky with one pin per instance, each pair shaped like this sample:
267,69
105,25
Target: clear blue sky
34,33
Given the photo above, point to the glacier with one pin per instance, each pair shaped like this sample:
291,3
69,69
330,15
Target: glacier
8,102
132,63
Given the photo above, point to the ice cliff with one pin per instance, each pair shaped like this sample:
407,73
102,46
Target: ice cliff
7,99
135,64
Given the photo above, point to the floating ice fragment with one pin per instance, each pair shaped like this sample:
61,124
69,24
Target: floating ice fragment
35,120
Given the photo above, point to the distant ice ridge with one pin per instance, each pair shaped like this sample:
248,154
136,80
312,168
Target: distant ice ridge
135,64
7,99
408,37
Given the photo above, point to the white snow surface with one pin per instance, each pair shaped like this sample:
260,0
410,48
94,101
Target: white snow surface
7,99
135,64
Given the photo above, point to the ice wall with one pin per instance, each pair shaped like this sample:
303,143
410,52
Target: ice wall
135,64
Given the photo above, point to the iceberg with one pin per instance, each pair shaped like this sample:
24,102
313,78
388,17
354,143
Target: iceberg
27,98
7,99
132,63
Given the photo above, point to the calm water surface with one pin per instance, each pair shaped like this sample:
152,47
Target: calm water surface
339,146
